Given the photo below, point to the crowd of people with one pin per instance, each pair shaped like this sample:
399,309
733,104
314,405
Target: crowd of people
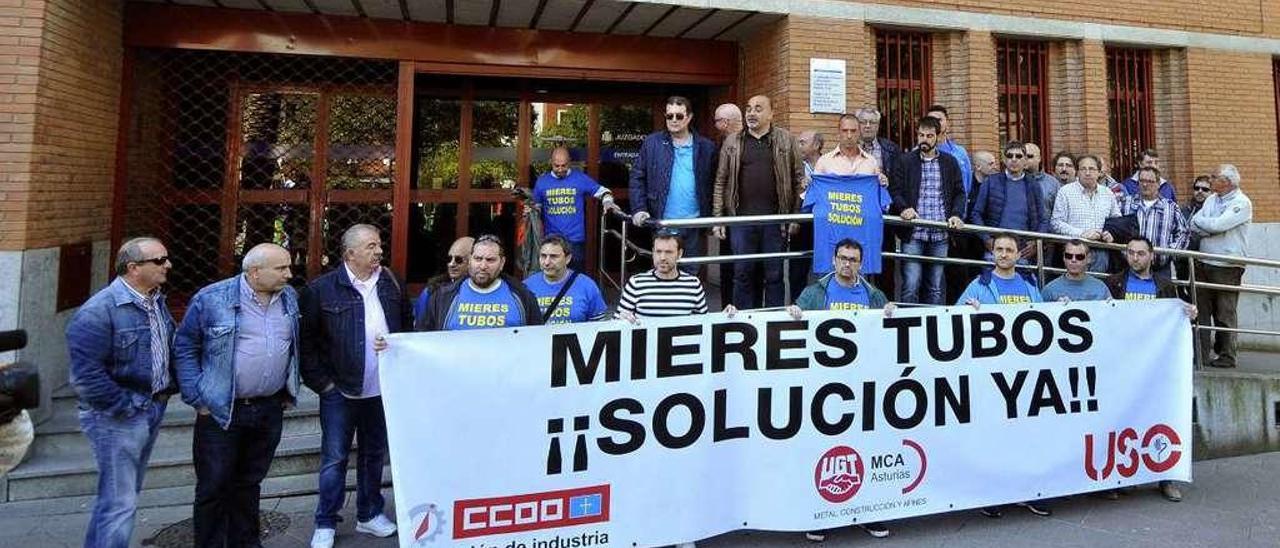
247,344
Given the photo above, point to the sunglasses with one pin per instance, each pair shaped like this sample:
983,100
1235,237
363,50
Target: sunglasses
675,116
457,259
1014,156
158,261
1203,189
1075,256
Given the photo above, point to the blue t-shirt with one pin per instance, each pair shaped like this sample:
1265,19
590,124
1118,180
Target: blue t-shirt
582,302
1088,289
1138,289
472,309
846,206
840,297
682,196
1011,291
563,203
420,307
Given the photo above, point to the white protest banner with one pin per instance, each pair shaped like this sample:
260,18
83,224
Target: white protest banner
607,434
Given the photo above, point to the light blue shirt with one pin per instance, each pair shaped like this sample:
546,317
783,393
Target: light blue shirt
264,343
682,197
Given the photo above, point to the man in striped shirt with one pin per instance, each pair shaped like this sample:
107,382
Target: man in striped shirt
665,290
1159,219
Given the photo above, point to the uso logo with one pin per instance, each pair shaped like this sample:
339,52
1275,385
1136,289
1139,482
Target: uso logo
1158,450
838,475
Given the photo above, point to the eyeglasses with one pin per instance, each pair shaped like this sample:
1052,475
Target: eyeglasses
1075,256
844,259
1013,156
158,261
677,116
457,259
1203,189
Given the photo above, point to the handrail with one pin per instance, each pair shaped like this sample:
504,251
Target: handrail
747,220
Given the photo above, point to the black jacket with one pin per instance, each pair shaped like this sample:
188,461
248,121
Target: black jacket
904,188
332,327
440,301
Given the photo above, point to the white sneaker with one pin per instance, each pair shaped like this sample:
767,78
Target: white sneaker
323,538
687,545
379,526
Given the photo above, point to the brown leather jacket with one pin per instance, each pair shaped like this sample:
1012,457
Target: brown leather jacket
788,171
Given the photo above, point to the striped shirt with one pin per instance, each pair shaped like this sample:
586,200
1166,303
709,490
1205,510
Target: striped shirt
930,203
648,296
1076,211
159,337
1161,221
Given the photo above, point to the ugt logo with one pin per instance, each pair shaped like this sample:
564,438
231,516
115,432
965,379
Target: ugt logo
838,475
1159,450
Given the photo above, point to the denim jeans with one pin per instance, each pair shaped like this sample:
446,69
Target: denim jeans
230,466
746,283
340,419
122,447
933,290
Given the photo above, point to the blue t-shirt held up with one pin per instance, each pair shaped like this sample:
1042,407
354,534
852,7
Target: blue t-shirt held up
846,206
581,303
840,297
472,309
563,203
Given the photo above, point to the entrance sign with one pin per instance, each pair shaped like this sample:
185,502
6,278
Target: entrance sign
827,86
608,434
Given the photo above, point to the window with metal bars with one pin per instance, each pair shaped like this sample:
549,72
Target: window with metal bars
1129,101
1022,72
903,83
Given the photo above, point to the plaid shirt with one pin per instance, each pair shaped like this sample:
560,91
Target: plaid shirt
930,205
1162,223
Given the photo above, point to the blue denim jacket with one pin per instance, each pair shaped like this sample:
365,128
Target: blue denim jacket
204,347
109,341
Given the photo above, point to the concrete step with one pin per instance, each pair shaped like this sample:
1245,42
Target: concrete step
61,434
272,487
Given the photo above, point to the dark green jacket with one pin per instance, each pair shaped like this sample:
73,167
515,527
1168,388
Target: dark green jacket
814,297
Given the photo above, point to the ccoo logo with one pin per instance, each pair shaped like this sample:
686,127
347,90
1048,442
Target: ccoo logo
838,475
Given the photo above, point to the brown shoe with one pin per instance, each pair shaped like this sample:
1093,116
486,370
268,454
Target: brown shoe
1170,491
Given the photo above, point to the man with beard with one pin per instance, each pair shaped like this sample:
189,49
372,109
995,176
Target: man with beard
459,260
664,291
564,295
488,298
926,185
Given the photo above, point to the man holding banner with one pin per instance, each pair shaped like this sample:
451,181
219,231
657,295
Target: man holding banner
564,295
844,289
487,299
1002,284
664,290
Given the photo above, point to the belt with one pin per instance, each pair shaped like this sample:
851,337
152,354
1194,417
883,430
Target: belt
274,398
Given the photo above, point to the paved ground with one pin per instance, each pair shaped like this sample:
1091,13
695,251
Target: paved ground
1234,503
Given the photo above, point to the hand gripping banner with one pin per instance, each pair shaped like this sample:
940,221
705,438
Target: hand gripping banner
608,434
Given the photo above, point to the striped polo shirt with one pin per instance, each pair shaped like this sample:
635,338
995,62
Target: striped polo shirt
648,296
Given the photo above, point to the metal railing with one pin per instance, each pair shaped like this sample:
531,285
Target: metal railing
629,252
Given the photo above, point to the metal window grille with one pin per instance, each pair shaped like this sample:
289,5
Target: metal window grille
903,82
1022,70
227,150
1129,98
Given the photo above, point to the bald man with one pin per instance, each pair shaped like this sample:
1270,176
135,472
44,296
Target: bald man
236,355
457,263
728,120
560,195
760,173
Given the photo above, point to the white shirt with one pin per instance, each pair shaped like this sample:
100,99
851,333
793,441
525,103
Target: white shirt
1223,222
1076,211
375,325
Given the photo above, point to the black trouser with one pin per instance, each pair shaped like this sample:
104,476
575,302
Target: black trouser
230,466
1219,306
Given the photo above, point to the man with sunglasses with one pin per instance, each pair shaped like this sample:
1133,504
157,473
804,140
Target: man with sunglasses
487,298
673,175
459,262
1200,190
1008,201
120,342
1077,284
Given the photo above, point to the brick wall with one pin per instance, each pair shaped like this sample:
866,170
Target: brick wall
1233,121
60,63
